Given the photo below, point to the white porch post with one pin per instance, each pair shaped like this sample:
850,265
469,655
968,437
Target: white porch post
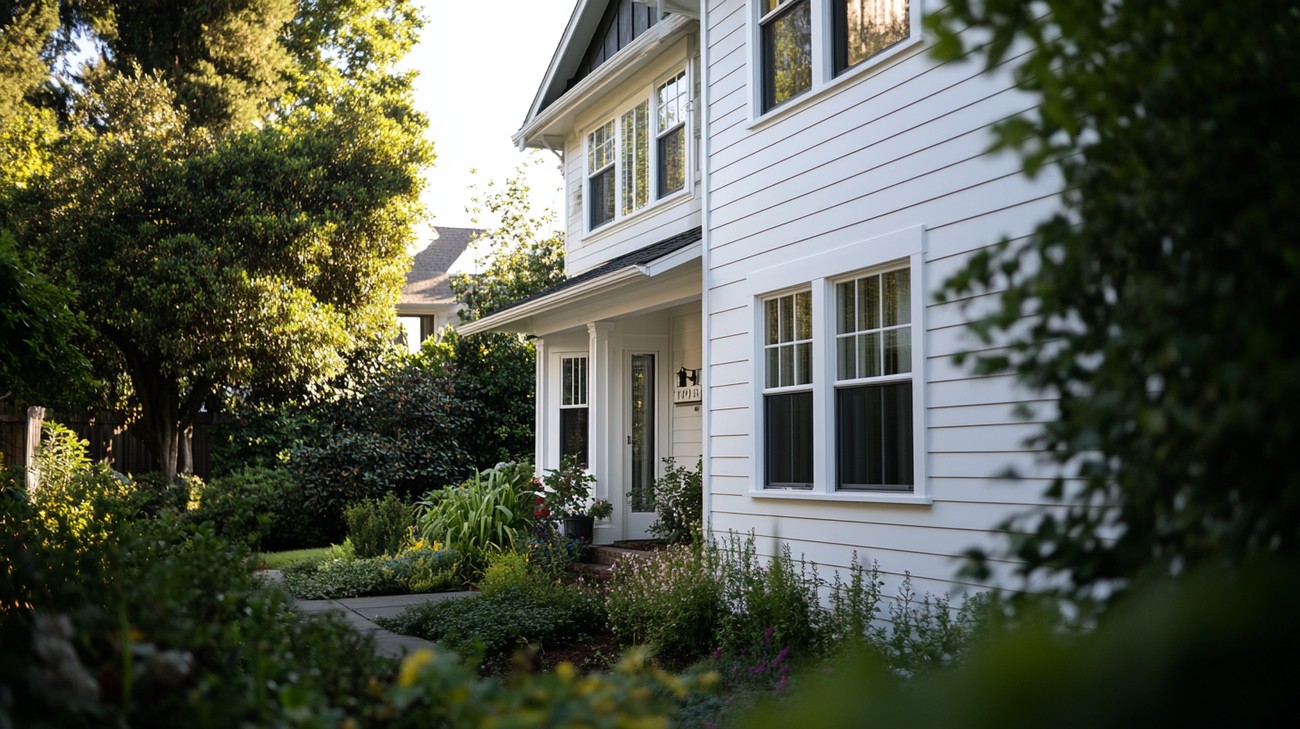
602,414
541,406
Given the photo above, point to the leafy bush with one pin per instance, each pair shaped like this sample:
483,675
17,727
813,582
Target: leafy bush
494,627
425,568
378,527
260,505
510,574
157,622
391,424
419,569
679,503
491,511
772,607
671,601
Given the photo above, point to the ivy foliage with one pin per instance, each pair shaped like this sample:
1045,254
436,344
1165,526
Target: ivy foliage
1154,304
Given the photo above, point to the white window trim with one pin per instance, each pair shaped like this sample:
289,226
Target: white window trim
821,272
654,202
824,79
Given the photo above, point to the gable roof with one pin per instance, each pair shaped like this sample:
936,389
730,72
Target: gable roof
576,55
427,283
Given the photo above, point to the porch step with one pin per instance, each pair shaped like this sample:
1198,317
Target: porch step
598,561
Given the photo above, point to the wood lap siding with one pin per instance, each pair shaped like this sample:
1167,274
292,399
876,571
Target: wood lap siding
900,145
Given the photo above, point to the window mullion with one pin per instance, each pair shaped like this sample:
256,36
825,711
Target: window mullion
823,367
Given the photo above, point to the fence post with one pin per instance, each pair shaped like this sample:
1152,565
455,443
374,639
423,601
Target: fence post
35,415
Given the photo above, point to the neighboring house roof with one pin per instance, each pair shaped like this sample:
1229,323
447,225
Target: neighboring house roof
643,262
427,283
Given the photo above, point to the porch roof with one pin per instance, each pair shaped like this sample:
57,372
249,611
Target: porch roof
653,260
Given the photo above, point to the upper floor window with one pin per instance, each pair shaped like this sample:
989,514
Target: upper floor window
640,155
849,32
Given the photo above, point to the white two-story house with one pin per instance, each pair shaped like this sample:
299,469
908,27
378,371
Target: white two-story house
762,198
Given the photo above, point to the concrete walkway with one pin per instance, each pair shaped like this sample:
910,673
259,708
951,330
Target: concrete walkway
360,613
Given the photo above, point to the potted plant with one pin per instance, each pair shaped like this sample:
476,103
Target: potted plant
568,491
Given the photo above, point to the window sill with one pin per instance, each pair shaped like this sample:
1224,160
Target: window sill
609,229
884,60
862,497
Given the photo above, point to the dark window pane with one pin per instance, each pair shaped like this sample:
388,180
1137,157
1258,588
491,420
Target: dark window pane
788,439
573,434
787,54
672,161
864,28
601,200
873,437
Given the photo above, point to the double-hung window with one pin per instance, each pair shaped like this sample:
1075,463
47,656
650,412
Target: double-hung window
640,155
573,408
838,352
873,382
793,34
787,392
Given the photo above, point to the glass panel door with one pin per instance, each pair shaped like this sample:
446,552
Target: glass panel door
641,436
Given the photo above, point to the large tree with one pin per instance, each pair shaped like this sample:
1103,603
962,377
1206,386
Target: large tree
1158,304
233,197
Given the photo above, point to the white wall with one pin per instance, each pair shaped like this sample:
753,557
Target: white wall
898,146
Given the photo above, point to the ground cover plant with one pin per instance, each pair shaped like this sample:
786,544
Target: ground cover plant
520,608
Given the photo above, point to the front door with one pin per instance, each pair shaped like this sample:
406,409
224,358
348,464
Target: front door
642,458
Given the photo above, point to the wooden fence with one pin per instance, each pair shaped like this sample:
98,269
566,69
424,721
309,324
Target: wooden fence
109,436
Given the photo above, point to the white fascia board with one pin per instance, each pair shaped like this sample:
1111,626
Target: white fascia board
538,132
586,289
672,260
557,58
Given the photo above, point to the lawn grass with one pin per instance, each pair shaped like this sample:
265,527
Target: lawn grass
280,560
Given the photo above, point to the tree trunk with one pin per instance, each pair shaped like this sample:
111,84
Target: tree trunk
187,451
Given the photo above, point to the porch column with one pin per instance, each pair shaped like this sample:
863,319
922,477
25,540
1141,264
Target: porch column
602,402
541,406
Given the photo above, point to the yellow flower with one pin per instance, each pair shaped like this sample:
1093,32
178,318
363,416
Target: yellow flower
411,666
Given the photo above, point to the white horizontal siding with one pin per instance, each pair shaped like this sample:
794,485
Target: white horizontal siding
881,152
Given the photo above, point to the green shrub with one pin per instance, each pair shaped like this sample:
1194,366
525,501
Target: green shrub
379,527
260,505
770,607
420,569
338,578
679,503
493,628
509,574
489,512
671,601
424,569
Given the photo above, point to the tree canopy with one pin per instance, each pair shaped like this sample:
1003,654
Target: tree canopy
1156,304
526,252
231,198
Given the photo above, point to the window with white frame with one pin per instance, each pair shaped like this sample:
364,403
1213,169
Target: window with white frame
873,382
573,408
840,413
787,391
792,33
640,155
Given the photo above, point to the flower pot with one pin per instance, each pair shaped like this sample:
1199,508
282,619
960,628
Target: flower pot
579,527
